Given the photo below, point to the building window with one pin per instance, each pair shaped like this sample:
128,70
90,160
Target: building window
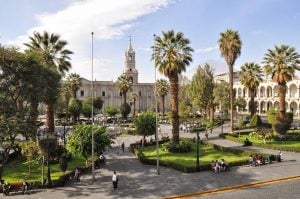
81,93
140,93
103,93
131,79
120,94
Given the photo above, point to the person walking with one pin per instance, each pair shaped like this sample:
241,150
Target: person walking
77,174
206,135
115,180
123,146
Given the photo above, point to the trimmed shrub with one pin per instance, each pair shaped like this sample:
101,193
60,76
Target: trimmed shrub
289,116
247,142
125,110
240,124
255,121
282,125
272,115
182,147
63,162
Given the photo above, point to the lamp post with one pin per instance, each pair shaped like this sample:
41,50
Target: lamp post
222,122
197,128
156,118
92,92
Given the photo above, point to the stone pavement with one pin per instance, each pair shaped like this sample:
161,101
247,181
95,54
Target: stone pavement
140,181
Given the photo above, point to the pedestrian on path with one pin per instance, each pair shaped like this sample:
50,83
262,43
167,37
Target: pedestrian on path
206,135
115,180
123,146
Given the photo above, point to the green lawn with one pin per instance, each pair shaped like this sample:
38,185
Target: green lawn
207,154
272,144
17,170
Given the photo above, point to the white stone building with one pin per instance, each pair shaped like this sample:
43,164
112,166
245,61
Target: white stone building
110,94
266,95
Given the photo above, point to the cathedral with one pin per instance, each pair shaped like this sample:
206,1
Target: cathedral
110,94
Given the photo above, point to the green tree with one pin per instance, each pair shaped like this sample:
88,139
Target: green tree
240,102
79,141
54,54
281,63
162,89
145,124
86,108
65,96
250,77
125,110
98,103
185,105
75,106
31,151
230,47
124,84
172,54
111,111
74,83
201,89
221,95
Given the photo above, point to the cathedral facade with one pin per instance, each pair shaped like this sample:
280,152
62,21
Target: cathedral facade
110,94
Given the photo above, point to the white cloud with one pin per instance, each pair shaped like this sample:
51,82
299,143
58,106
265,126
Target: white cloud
107,19
206,50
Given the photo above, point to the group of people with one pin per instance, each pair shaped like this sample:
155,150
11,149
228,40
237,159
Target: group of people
256,160
7,187
218,166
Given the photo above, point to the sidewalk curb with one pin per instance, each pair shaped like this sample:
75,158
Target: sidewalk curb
232,188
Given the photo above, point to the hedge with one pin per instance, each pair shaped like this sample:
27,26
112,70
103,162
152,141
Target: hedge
185,169
268,146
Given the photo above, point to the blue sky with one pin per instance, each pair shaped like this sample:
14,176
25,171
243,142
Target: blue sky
260,23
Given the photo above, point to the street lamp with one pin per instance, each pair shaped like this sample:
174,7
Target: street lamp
92,92
156,118
196,128
222,122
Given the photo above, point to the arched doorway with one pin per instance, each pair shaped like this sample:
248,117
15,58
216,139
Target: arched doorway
262,107
269,105
294,108
276,106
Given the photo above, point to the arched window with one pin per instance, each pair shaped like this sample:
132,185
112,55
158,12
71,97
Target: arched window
131,79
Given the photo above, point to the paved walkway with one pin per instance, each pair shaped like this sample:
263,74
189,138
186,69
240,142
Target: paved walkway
140,181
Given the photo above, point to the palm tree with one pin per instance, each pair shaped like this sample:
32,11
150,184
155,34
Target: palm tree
124,84
250,77
56,57
66,95
162,89
74,81
281,63
134,96
230,47
171,54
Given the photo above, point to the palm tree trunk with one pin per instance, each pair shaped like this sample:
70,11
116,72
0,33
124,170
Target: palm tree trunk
50,118
34,114
231,96
174,103
163,106
282,91
124,97
252,104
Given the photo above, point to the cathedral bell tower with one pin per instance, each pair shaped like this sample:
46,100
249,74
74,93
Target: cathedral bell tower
130,69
